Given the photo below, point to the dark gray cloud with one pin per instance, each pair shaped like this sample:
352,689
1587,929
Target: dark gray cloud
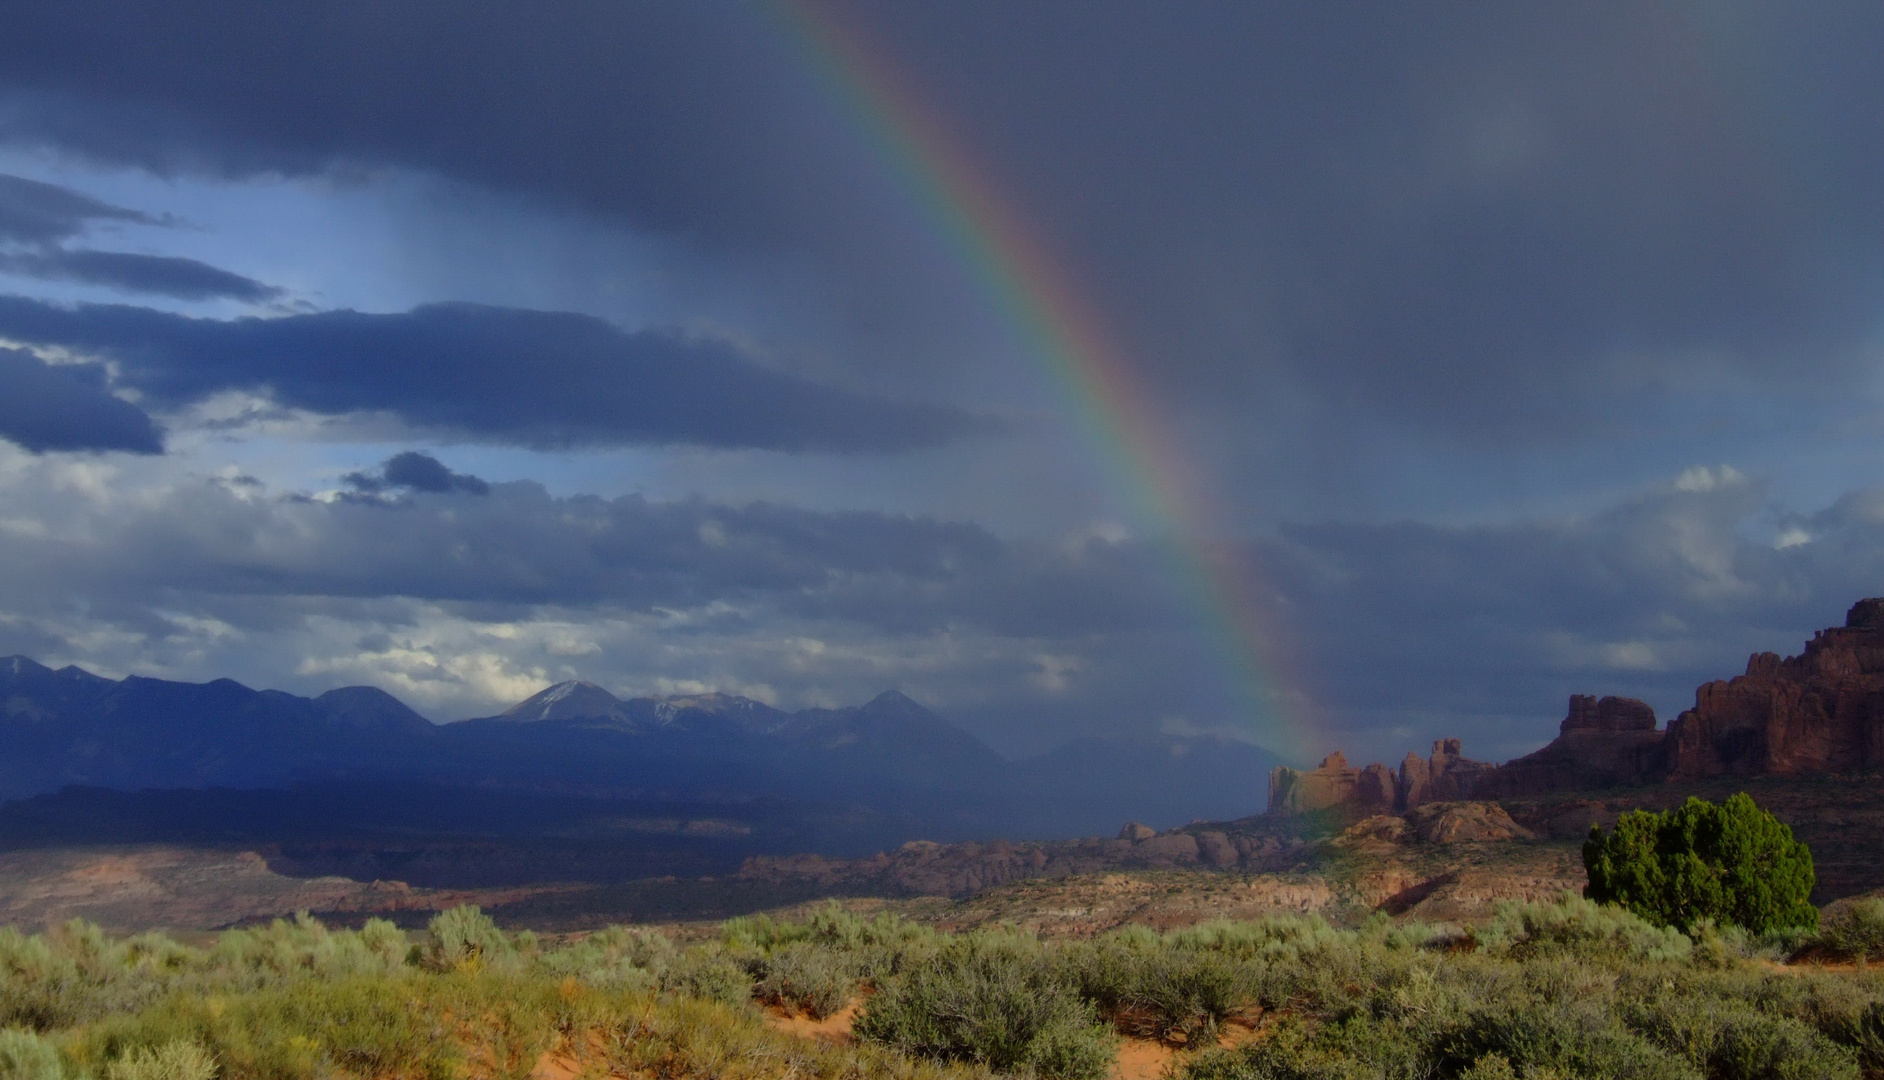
615,108
532,378
416,472
33,212
47,407
38,216
158,275
1481,226
1367,256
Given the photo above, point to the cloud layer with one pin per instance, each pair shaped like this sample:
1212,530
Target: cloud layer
38,217
504,375
467,595
1440,309
68,407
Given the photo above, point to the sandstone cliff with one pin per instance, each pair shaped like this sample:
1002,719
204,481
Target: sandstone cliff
1819,712
1601,743
1444,776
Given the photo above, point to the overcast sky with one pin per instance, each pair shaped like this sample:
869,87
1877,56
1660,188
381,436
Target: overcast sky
1513,350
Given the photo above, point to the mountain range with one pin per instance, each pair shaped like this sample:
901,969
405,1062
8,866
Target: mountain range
889,763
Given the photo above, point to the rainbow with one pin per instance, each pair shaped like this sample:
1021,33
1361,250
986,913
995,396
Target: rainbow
1081,354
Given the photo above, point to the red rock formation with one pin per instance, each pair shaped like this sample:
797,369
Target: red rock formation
1820,711
1450,776
1295,791
1601,743
1447,775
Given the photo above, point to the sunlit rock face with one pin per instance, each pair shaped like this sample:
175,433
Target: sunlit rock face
1445,776
1820,711
1298,791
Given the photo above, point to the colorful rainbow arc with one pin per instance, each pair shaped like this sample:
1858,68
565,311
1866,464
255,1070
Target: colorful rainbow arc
1114,409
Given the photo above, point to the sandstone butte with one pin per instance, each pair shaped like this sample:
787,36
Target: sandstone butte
1819,712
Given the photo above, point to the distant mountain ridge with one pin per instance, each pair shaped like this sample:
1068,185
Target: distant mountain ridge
889,756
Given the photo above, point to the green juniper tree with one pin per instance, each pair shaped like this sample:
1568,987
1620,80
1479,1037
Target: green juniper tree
1731,863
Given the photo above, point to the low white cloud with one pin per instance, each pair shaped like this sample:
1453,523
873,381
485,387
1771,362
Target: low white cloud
1702,478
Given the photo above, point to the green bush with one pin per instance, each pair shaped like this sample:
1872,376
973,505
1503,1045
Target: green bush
991,1000
303,1030
1853,931
178,1059
617,958
1155,987
804,976
26,1056
1573,1038
1754,1046
1580,929
1733,863
462,936
711,974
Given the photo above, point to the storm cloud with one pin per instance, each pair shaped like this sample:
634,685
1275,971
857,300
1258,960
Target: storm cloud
160,275
38,216
47,407
414,471
1476,225
34,212
1435,312
529,378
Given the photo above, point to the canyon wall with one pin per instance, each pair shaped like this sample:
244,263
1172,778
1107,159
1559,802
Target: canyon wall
1819,712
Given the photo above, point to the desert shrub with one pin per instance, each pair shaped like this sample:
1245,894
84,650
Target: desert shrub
1843,1008
993,1000
878,946
1853,931
303,945
1574,927
1291,1052
1491,1067
617,958
1421,935
366,1026
1574,1038
1280,938
463,936
1151,986
178,1059
709,973
26,1056
1733,863
1782,942
700,1040
806,976
1862,1030
38,988
1753,1046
